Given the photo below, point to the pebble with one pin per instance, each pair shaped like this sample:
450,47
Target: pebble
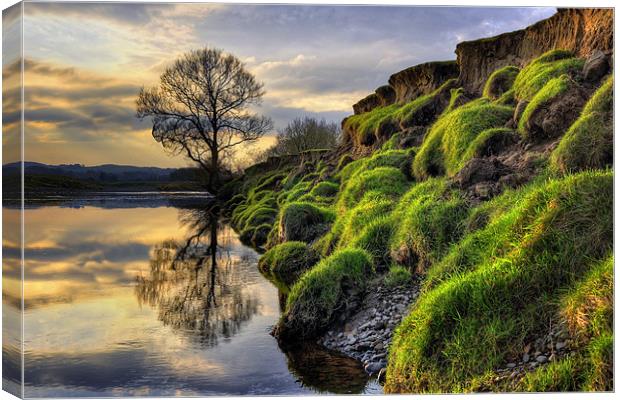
511,365
369,331
541,359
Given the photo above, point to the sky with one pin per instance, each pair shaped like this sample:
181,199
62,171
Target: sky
84,63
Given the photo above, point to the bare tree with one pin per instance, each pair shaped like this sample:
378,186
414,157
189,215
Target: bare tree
200,108
303,134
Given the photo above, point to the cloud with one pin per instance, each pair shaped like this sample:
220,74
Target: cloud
85,62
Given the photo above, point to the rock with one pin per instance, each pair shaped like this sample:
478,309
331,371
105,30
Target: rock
552,119
596,66
480,170
560,345
526,358
578,30
541,359
511,365
374,367
378,347
421,79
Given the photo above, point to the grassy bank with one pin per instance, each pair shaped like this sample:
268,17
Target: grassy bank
496,271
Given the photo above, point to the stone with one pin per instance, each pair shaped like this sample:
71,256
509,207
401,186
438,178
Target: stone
526,358
560,345
373,367
541,359
596,66
511,365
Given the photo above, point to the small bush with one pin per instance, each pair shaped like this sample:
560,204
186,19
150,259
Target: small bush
286,262
321,294
397,276
500,81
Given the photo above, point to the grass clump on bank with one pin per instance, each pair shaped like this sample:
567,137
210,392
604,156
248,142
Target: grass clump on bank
587,310
588,143
446,145
299,221
490,142
322,294
551,90
537,73
430,218
386,181
286,262
499,82
389,158
505,288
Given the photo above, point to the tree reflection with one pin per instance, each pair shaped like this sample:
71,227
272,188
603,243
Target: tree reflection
197,285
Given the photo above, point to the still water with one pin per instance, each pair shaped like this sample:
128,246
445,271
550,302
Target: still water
153,296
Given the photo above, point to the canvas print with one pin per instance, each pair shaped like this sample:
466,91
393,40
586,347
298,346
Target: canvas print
212,199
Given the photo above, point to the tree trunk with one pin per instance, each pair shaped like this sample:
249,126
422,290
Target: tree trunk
214,177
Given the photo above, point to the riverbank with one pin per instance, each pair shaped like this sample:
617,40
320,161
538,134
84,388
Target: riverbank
489,201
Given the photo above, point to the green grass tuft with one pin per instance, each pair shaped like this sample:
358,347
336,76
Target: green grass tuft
430,218
537,73
505,286
387,181
588,143
321,294
445,147
500,81
550,91
286,262
303,222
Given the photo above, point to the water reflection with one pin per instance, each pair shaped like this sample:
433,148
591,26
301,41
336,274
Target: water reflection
196,284
196,321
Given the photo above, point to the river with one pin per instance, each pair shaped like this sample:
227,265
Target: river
150,295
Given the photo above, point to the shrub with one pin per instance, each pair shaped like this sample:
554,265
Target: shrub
507,286
397,276
500,81
449,138
286,262
588,143
321,294
537,73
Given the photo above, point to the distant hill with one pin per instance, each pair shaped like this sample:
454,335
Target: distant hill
40,177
